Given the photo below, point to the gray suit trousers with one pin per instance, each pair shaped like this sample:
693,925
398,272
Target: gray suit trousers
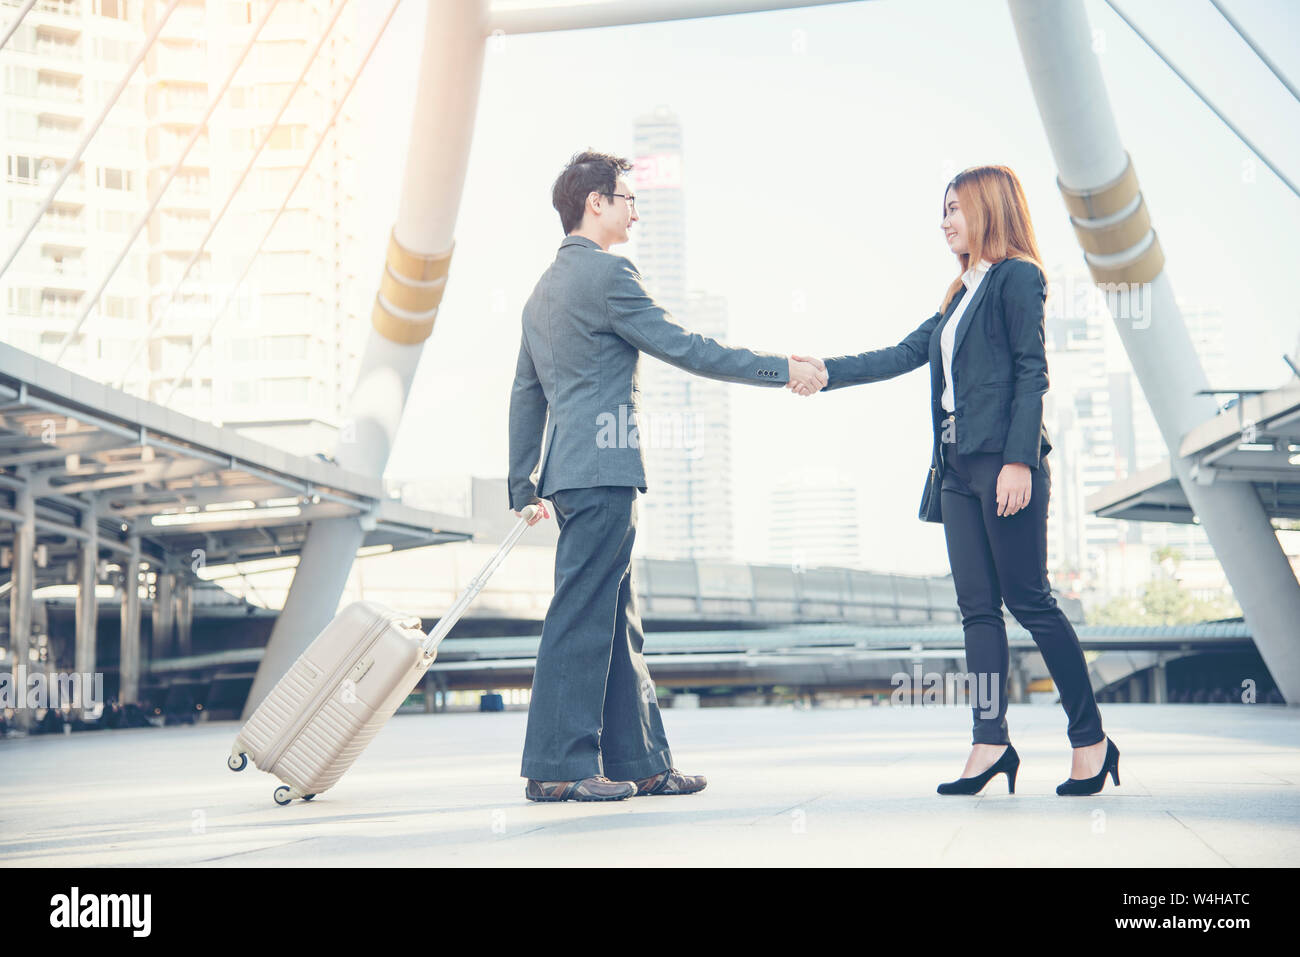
593,708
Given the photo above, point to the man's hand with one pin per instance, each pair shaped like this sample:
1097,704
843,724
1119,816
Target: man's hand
540,514
807,375
1014,484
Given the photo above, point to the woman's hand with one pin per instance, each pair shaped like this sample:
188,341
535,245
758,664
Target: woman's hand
1014,484
807,375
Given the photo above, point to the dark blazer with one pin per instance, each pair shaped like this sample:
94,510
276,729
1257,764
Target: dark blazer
999,365
585,327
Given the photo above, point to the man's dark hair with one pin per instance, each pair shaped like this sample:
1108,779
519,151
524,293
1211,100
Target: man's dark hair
587,171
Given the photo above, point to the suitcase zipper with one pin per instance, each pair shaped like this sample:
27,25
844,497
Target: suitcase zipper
322,696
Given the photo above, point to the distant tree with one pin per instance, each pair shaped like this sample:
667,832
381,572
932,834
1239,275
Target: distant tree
1164,601
1118,611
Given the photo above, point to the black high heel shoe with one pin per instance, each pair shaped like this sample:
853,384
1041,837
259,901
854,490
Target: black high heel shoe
1008,763
1095,783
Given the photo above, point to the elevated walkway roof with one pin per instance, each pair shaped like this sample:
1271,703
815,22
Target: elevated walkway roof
1256,441
180,482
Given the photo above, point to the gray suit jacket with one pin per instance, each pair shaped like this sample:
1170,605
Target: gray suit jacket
584,328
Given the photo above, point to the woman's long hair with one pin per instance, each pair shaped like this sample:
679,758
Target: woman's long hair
997,220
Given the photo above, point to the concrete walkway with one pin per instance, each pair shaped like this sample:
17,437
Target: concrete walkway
1203,785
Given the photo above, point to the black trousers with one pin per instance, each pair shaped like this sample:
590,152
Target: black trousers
996,559
593,708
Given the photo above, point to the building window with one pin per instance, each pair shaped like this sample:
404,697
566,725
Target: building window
24,302
272,94
112,178
22,124
286,390
287,347
114,220
113,49
22,210
288,138
115,9
23,169
242,392
121,307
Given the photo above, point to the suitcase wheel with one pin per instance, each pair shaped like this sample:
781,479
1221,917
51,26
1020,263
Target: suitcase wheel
237,762
308,797
281,795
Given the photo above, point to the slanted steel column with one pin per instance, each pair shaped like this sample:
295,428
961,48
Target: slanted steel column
1099,185
406,304
23,580
87,615
128,691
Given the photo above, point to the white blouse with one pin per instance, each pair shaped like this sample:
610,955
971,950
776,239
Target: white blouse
971,279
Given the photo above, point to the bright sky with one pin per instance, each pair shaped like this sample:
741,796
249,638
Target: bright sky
817,145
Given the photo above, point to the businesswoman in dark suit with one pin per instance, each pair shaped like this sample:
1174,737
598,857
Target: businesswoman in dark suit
989,479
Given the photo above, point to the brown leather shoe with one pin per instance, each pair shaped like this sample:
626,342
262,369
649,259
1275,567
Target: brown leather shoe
671,781
598,788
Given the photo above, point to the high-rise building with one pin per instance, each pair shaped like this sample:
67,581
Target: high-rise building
1205,327
1078,413
814,522
708,455
62,63
1102,430
687,511
285,353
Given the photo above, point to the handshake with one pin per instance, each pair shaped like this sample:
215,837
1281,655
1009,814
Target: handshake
807,375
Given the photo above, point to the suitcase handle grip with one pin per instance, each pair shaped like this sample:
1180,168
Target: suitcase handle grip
448,621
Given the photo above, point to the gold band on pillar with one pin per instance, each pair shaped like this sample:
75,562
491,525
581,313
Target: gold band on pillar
410,291
417,266
1144,268
1105,200
401,328
411,296
1086,206
1114,237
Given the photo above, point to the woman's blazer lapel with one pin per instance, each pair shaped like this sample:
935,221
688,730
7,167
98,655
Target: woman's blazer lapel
936,352
969,314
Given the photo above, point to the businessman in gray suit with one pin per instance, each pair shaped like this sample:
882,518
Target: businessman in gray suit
594,732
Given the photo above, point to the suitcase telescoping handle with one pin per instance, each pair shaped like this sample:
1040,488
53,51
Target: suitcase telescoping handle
448,621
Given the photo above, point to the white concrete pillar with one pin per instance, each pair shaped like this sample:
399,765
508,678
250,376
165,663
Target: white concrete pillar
23,578
1099,186
87,613
1159,682
129,680
163,612
184,602
406,305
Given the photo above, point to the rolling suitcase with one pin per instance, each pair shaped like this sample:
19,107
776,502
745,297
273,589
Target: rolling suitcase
338,694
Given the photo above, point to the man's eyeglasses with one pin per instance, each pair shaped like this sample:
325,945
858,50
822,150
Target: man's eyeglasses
631,200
